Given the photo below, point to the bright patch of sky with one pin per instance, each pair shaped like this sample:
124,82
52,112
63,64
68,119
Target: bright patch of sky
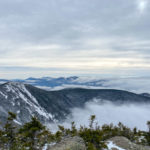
142,4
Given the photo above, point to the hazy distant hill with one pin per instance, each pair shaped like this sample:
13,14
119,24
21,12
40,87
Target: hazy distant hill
132,84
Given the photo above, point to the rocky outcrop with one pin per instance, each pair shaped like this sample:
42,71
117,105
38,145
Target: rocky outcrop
122,143
69,143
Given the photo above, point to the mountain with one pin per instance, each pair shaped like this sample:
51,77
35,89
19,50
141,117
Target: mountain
16,98
49,82
51,106
145,94
132,84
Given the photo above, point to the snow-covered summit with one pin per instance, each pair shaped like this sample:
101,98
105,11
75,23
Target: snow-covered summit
16,97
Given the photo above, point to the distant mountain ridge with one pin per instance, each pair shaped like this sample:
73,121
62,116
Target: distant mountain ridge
50,106
56,82
133,84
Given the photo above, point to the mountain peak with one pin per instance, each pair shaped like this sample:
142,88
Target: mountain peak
15,83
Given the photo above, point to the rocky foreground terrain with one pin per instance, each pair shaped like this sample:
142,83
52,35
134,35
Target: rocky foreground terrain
69,143
76,143
34,136
122,143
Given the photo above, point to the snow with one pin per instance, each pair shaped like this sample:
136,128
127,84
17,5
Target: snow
18,111
42,112
13,103
9,88
24,98
21,92
28,93
36,107
45,147
14,86
17,122
111,145
3,95
141,138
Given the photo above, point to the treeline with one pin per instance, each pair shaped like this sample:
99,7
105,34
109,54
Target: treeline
33,135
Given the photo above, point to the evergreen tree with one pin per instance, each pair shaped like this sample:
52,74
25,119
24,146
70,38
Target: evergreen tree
9,134
30,132
33,135
148,124
148,133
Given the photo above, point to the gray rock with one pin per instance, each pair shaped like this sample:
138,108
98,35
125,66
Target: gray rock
125,144
69,143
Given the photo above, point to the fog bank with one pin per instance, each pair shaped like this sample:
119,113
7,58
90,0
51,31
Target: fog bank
130,115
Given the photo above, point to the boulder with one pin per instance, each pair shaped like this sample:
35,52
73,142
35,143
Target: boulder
122,143
69,143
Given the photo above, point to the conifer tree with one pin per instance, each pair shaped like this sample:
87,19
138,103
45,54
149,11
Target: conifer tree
9,134
148,124
29,133
148,133
92,118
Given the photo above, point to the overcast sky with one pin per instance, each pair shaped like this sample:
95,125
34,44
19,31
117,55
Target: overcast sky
74,37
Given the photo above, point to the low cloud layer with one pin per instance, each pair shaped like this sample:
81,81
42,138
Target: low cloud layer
132,84
130,115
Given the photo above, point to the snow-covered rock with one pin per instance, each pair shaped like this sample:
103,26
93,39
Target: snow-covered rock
122,143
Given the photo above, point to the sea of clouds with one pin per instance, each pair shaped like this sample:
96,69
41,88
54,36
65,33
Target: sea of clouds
132,84
131,115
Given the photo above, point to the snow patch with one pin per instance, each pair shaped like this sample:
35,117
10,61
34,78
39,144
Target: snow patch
21,92
13,103
17,122
23,88
45,147
3,95
18,111
111,145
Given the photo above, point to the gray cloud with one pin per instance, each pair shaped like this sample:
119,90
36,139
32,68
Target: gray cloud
107,113
71,34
